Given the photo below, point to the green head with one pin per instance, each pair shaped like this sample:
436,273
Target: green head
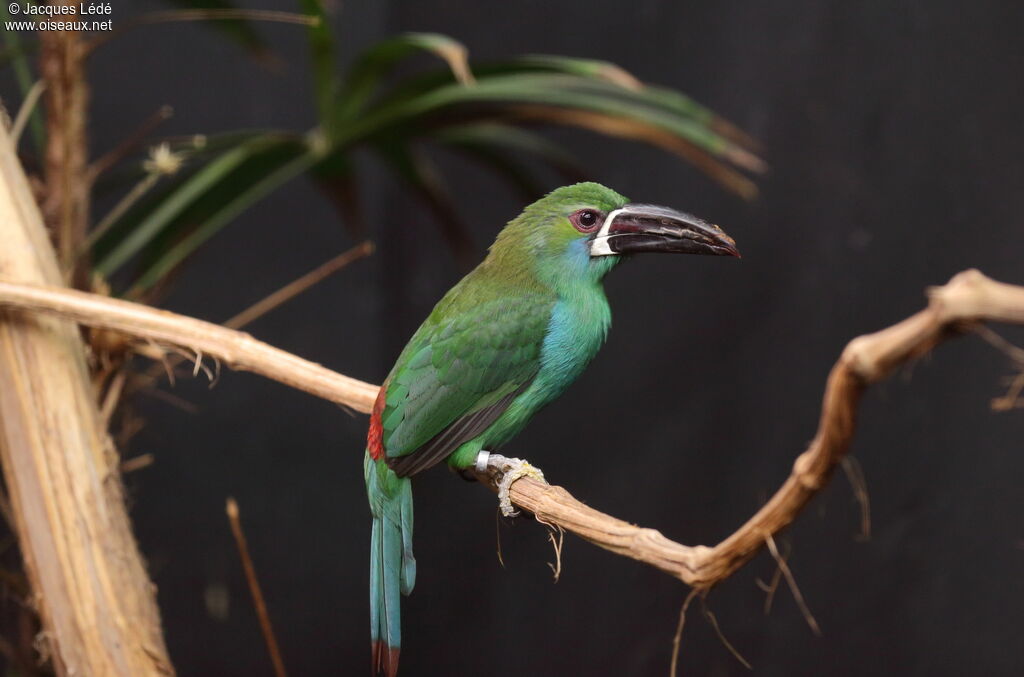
583,230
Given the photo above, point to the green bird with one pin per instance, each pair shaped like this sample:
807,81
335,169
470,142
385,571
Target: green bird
506,340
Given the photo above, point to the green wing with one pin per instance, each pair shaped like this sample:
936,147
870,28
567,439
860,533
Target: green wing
460,371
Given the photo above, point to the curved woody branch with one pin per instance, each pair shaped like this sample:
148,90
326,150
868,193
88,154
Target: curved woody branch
968,298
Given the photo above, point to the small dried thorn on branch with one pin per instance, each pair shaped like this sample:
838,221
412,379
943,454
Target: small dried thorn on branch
556,543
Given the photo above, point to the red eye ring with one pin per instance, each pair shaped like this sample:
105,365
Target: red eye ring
585,220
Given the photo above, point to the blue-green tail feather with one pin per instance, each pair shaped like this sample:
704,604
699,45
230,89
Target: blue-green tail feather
392,566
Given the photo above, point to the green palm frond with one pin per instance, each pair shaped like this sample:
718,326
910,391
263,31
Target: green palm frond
488,113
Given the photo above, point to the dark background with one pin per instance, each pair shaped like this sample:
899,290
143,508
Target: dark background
894,135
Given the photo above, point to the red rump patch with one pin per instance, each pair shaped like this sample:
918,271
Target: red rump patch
374,437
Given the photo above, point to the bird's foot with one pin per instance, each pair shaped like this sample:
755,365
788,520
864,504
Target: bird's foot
506,470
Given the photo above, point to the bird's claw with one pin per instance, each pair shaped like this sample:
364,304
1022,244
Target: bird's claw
508,470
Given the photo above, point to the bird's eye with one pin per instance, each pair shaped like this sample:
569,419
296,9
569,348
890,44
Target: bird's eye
585,220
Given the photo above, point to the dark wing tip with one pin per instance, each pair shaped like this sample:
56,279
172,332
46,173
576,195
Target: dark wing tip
461,430
383,659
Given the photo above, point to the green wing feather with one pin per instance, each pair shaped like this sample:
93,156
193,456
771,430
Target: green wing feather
460,370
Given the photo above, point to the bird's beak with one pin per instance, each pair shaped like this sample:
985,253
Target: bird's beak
650,228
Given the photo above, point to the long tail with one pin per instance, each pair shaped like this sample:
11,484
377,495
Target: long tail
392,566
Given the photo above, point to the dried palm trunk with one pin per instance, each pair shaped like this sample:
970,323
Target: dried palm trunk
89,585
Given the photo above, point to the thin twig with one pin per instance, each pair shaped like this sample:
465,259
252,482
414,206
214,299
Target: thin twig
130,142
275,300
123,205
112,396
791,580
1015,353
25,112
162,162
130,426
497,537
137,463
855,475
713,620
171,399
1012,398
298,286
772,586
160,356
254,589
678,637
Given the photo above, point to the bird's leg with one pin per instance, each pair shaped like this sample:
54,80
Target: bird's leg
506,471
467,474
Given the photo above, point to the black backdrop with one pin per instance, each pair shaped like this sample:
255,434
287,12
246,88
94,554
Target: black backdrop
894,135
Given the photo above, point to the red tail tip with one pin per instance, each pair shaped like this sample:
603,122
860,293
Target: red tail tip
383,659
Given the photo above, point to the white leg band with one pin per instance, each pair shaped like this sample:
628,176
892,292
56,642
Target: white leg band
482,458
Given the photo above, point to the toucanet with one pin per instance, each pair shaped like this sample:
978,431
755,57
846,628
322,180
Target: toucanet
502,343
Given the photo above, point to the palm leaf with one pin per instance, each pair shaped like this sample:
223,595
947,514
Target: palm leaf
218,209
391,113
420,174
599,105
240,31
321,47
369,71
17,52
500,147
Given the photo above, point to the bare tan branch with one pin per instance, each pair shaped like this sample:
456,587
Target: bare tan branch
967,299
237,350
